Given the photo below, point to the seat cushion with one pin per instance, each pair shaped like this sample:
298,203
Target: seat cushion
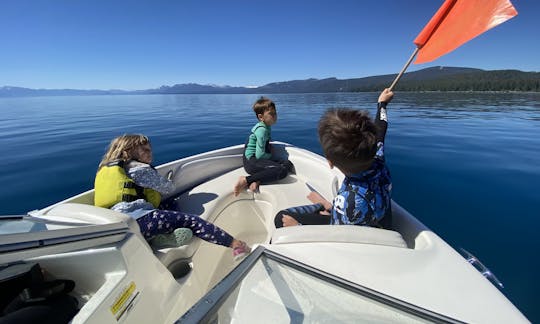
338,233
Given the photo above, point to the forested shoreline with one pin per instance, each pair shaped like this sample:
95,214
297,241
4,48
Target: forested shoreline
430,79
499,81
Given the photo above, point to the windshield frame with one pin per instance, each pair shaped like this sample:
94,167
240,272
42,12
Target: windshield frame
204,310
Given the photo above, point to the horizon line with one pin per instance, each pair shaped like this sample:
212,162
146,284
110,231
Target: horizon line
250,87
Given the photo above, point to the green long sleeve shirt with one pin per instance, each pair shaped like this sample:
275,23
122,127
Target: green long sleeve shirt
259,142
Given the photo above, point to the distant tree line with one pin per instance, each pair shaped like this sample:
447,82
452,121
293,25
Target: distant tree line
436,78
502,80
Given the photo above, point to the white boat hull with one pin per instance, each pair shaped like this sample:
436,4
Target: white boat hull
125,279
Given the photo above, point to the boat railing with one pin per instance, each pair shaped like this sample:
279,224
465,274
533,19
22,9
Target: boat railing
478,265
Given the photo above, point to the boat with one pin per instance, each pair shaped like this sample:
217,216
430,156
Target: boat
305,273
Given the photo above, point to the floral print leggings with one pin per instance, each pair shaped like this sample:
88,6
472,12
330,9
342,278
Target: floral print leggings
165,221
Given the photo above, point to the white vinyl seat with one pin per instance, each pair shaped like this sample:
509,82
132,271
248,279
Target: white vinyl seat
206,200
338,234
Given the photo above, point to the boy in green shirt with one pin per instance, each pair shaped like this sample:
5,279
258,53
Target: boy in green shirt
257,157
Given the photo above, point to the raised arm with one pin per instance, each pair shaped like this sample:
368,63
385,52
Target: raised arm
381,119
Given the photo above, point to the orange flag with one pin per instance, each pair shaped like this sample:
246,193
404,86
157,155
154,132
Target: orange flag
457,22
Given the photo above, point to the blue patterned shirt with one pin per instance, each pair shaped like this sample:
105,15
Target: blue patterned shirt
364,198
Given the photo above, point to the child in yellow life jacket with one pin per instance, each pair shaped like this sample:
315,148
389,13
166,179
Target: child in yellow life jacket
127,183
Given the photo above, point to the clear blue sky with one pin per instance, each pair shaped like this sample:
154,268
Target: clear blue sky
111,44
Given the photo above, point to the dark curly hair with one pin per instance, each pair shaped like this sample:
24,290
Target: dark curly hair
348,139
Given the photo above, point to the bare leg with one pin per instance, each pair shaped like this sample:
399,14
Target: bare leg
236,243
289,221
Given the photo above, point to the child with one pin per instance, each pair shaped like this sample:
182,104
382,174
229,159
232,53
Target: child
126,182
353,143
258,160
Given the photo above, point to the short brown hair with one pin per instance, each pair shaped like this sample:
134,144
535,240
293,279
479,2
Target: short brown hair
348,139
262,105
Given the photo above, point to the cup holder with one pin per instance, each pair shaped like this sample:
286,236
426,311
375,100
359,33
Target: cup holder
179,268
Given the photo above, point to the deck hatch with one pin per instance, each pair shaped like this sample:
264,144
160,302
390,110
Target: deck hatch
278,289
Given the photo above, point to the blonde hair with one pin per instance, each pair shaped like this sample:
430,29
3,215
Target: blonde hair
122,147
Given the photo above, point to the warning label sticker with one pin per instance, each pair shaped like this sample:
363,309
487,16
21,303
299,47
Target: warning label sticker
124,301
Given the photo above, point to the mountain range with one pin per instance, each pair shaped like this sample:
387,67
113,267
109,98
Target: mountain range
429,79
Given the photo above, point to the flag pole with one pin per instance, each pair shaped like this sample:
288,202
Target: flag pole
425,34
404,69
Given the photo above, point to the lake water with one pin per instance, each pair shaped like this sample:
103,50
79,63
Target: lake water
465,164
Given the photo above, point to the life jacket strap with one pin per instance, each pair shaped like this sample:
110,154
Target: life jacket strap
130,185
129,198
138,189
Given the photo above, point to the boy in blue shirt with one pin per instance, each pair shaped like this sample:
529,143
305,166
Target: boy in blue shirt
258,160
354,144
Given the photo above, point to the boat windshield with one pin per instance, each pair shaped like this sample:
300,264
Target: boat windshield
279,290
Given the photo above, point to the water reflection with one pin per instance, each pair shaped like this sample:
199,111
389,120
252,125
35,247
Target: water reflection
468,105
459,161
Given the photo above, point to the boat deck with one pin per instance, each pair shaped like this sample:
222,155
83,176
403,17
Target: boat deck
410,263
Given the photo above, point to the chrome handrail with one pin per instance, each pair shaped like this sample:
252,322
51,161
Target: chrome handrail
478,265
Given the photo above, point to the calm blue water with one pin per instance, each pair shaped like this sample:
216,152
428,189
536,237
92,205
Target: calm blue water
466,165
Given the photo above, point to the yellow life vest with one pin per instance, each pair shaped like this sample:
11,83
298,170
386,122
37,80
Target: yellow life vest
112,185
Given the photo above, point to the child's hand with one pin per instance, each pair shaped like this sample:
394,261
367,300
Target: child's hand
315,198
386,96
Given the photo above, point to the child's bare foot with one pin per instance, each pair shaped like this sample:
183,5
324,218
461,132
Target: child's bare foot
289,221
240,185
254,186
240,249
